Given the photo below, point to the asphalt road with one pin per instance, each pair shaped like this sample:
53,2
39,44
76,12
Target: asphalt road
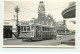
50,42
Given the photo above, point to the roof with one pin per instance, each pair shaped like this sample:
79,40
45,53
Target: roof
61,27
46,20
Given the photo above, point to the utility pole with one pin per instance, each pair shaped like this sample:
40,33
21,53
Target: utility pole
17,11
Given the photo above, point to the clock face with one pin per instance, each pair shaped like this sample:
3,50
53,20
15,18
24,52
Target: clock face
41,7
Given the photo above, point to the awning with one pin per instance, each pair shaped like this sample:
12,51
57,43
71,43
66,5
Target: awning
69,12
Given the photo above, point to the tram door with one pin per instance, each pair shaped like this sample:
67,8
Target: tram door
7,32
36,31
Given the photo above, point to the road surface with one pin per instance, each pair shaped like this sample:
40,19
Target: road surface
50,42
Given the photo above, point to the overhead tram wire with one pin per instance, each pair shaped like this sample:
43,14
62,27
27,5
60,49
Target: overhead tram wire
15,6
10,3
32,10
47,10
19,6
13,13
9,12
29,11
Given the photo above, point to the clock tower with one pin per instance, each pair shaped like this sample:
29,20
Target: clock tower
41,12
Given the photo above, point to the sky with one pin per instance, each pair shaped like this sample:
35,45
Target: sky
29,9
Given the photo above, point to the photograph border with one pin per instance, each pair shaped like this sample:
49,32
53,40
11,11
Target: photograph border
35,46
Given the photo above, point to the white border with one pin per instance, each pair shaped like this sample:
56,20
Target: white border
35,46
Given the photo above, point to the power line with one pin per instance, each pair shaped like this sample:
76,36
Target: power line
20,6
9,12
10,3
12,13
33,10
29,11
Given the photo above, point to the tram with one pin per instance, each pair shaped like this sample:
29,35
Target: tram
36,32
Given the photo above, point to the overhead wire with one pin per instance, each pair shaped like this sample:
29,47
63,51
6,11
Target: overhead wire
20,6
28,10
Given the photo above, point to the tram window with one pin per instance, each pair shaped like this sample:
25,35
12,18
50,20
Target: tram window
42,28
48,29
52,29
21,28
28,28
39,28
24,28
32,27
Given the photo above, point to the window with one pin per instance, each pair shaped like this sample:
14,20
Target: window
39,28
47,29
50,29
32,27
21,28
24,28
28,28
42,28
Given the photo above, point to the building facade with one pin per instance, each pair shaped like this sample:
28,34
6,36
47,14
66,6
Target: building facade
9,26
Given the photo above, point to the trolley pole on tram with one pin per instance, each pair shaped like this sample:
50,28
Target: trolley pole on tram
17,11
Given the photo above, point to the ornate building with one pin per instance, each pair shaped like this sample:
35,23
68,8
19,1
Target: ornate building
41,12
42,17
